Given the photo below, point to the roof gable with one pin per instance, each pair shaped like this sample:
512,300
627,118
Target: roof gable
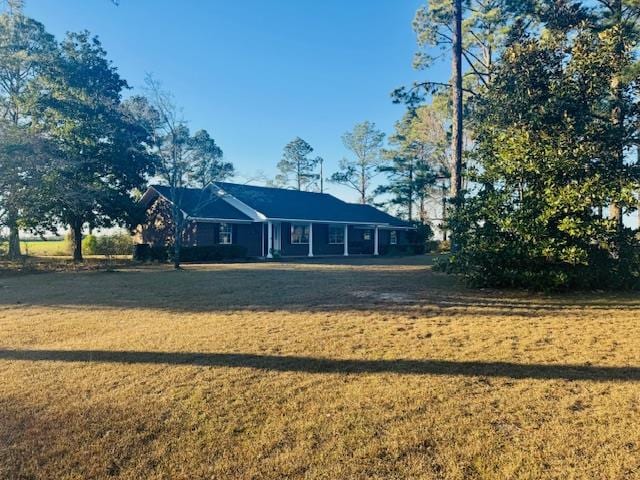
202,203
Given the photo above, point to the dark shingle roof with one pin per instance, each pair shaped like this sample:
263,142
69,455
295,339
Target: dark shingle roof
296,205
202,203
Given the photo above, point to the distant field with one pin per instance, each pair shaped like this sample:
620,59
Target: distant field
44,247
354,369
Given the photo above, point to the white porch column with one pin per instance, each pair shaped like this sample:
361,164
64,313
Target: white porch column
346,240
311,239
375,241
269,240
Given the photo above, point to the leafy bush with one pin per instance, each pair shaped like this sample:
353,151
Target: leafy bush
432,246
490,257
208,253
89,245
211,253
144,252
115,244
409,249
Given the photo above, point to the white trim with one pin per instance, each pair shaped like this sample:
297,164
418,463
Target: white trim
346,240
219,220
311,239
375,241
252,213
365,225
270,240
341,222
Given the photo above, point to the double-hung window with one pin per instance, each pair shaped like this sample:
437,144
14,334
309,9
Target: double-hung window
366,234
336,235
393,237
299,234
226,234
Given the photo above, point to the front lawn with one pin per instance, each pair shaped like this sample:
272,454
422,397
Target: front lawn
335,370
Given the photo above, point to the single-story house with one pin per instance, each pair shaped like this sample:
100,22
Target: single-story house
270,221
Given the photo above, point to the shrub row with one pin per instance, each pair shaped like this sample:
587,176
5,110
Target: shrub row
208,253
115,244
409,249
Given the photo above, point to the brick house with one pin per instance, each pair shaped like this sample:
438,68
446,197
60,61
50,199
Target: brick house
271,221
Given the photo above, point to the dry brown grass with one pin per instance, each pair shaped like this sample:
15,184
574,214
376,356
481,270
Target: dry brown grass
368,369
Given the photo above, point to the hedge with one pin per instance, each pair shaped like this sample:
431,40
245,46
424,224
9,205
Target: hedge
409,249
208,253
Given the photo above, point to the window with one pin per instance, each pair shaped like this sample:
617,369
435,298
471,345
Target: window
336,235
299,234
366,235
393,237
226,236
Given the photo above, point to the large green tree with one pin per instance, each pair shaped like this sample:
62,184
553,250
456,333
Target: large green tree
545,144
365,142
101,150
26,49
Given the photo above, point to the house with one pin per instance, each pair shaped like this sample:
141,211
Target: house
271,221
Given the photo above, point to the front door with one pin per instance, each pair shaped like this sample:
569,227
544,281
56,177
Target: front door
277,237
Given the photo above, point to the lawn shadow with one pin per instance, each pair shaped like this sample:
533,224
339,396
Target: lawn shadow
335,366
323,286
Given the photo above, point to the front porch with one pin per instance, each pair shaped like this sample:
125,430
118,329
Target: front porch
309,239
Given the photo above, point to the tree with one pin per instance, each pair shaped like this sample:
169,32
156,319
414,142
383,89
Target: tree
207,159
473,31
417,160
296,166
456,100
183,160
365,142
619,21
101,153
26,49
545,141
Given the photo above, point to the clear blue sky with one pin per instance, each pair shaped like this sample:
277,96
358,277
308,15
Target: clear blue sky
256,74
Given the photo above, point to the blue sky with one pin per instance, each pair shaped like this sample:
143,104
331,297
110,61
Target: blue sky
256,74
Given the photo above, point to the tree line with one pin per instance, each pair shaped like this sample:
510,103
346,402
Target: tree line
543,114
73,151
413,164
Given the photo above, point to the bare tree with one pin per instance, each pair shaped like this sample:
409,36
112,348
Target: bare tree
365,142
183,160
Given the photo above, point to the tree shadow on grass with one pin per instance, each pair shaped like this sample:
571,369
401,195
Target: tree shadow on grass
333,366
290,288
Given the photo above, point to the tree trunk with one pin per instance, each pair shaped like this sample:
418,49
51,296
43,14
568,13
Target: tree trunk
456,138
444,213
76,239
14,237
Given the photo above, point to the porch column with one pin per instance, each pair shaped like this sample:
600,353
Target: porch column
311,239
346,240
269,240
375,241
